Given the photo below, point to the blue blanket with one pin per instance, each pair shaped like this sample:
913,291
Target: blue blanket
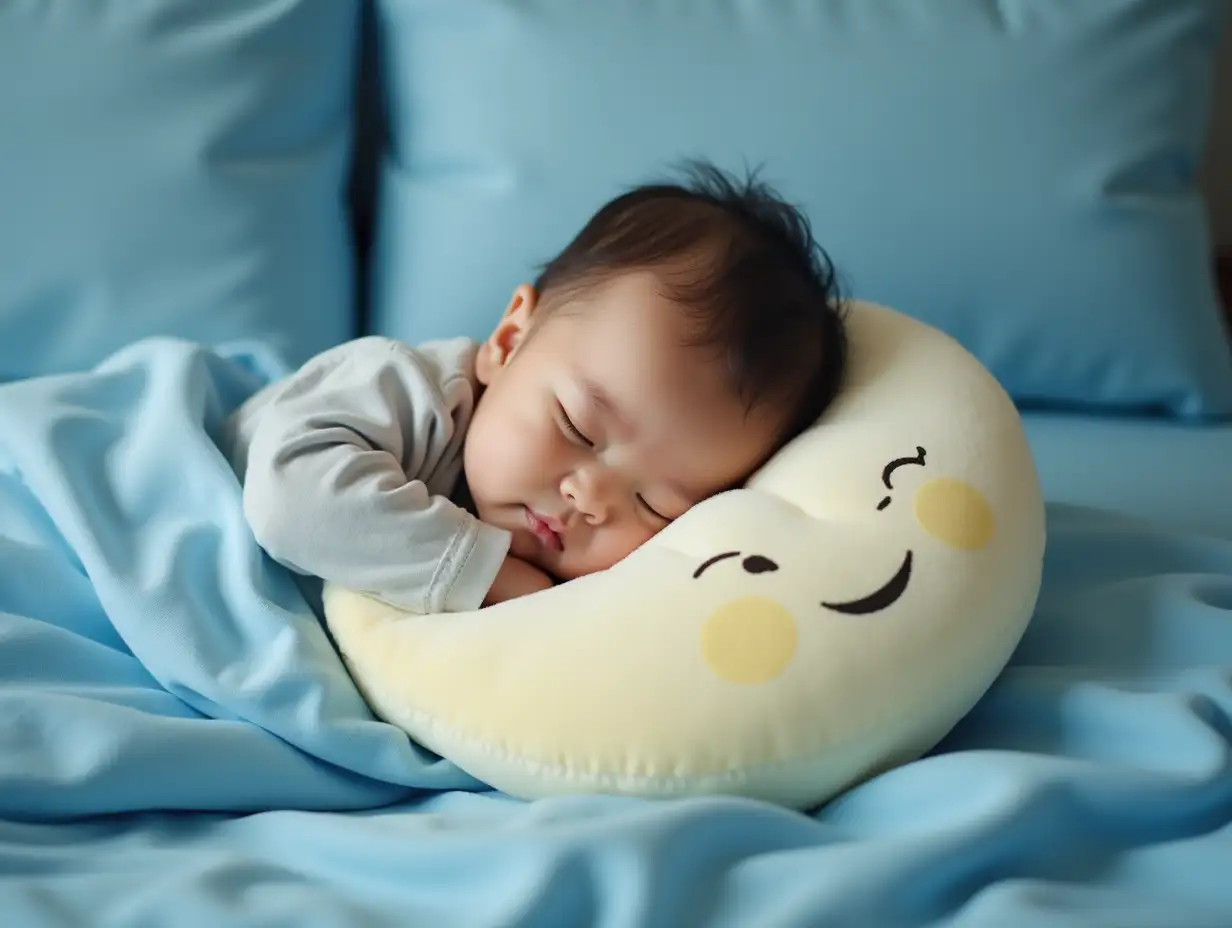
179,744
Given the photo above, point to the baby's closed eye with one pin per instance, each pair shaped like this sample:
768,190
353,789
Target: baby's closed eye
652,511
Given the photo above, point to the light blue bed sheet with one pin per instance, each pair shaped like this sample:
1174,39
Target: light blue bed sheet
1172,474
179,746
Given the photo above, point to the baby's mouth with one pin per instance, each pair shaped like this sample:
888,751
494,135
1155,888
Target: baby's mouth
541,527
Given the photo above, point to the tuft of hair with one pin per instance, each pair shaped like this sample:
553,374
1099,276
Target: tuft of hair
743,265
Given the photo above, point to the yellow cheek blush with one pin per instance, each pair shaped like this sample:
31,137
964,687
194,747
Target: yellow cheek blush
955,513
749,640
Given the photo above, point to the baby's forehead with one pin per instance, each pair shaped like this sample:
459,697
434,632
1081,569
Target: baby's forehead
695,441
633,343
644,365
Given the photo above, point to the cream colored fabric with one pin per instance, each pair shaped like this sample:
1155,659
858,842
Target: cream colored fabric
854,601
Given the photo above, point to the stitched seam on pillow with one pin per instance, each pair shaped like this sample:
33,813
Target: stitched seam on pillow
666,782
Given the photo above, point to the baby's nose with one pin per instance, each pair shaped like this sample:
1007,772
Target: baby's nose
593,492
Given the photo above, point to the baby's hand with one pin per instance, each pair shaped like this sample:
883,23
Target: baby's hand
516,578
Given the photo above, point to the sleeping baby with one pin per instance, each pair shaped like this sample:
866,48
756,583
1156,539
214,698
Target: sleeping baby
685,334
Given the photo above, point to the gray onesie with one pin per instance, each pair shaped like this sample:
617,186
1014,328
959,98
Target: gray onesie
348,465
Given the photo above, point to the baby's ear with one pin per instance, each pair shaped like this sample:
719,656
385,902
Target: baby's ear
509,333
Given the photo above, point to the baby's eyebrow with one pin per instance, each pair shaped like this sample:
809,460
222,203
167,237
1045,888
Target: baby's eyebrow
597,395
601,398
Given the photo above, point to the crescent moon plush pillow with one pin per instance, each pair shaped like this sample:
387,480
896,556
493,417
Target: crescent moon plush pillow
833,618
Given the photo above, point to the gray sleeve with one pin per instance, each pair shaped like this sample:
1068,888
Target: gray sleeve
337,472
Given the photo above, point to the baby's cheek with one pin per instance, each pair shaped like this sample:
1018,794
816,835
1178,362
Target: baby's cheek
624,542
492,455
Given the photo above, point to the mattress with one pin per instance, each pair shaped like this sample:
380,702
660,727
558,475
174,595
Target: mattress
1173,475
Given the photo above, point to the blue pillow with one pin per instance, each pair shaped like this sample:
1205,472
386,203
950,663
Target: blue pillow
1020,174
173,167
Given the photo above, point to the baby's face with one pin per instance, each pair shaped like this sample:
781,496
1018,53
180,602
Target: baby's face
602,427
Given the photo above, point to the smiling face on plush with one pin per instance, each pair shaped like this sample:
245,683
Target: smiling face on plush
753,637
836,616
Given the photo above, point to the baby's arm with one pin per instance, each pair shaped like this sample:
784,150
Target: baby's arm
516,578
337,473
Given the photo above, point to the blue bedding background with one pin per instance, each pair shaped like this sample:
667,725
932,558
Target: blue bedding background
179,745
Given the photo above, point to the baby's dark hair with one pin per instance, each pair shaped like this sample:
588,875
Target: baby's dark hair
743,265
